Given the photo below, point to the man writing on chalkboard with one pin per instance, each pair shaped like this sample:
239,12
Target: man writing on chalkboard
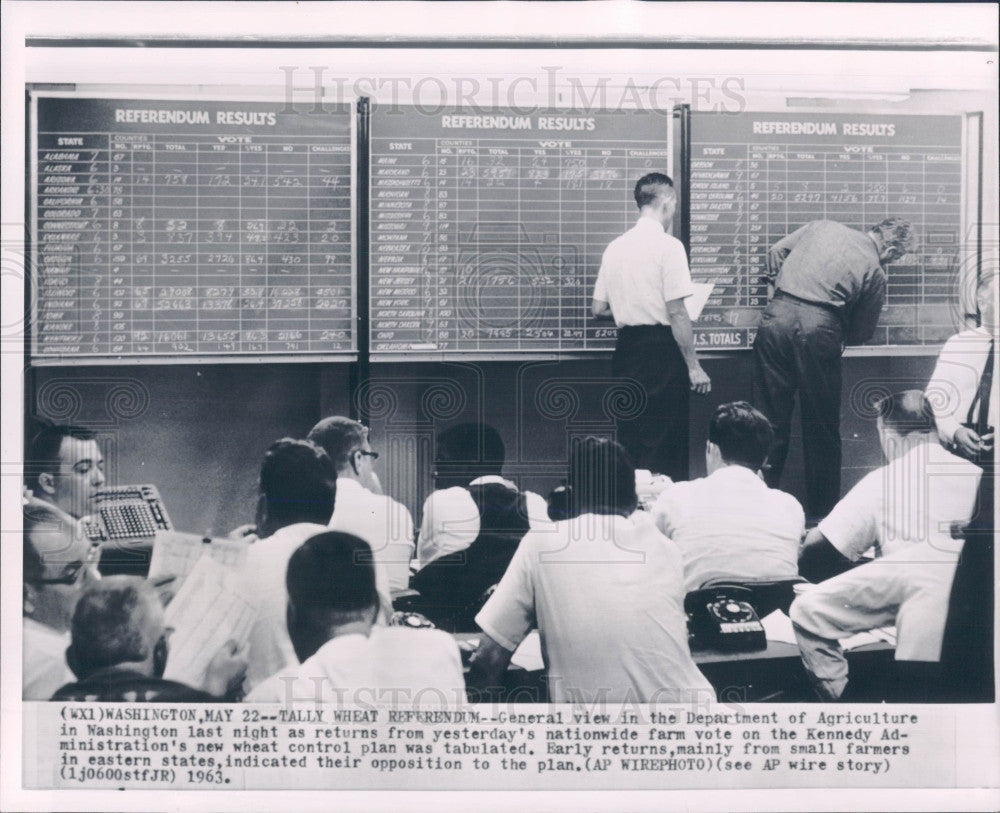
643,281
829,287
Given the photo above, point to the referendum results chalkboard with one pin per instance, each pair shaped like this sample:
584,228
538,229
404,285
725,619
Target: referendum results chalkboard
755,177
487,227
190,229
168,229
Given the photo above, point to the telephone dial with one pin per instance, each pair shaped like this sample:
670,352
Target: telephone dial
723,618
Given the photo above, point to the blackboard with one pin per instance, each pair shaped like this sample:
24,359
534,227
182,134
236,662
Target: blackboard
487,226
755,177
171,229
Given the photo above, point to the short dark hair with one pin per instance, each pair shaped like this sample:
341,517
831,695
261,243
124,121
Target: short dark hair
601,478
339,437
470,449
906,412
742,433
111,624
298,481
649,187
44,445
331,579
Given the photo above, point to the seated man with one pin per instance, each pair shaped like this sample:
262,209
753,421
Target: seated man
297,486
119,651
363,510
471,525
58,567
730,524
332,605
65,467
607,594
904,511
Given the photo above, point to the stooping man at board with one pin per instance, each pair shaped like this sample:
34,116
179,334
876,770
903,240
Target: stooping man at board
642,283
829,288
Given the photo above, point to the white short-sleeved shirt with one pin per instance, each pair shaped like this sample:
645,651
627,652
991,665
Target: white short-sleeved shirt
262,581
955,380
608,597
914,499
730,524
451,520
640,272
397,665
382,522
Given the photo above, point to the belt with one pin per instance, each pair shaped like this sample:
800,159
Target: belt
779,294
644,328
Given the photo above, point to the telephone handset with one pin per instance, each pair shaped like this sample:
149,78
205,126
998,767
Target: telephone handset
723,618
127,512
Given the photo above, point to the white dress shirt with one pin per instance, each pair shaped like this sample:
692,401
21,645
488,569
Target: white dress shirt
914,499
955,380
730,524
262,582
451,520
405,667
640,272
382,522
608,597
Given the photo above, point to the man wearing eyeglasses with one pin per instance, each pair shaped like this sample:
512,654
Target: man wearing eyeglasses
829,285
361,508
59,564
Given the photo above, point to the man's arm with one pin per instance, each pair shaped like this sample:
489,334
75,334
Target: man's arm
819,559
680,324
600,309
864,313
488,664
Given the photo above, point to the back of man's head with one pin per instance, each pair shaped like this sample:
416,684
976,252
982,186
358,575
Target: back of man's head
652,186
339,436
298,484
44,446
896,234
467,451
906,413
601,478
742,433
331,583
118,621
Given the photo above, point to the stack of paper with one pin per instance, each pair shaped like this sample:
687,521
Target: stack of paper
207,611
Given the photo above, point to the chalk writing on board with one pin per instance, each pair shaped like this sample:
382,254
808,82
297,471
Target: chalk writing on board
191,228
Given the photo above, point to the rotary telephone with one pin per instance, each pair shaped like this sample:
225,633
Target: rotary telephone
723,618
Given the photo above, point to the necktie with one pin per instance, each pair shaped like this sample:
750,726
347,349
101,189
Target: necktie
982,397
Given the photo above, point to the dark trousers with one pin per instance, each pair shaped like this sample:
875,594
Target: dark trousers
798,349
967,647
656,435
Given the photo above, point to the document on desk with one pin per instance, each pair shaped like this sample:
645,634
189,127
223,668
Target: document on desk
207,611
778,627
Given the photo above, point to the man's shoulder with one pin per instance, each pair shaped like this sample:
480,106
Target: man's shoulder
283,541
972,338
424,644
